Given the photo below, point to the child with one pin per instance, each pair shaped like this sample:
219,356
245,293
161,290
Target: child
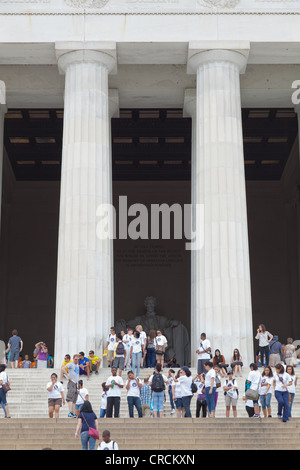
119,354
26,362
103,401
107,443
171,381
127,340
145,396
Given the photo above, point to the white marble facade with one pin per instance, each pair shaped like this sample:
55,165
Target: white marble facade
75,52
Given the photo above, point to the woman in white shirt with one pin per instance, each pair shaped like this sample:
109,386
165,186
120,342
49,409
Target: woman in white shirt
185,379
292,388
264,338
137,352
282,381
55,396
4,380
82,396
265,391
210,388
176,392
254,380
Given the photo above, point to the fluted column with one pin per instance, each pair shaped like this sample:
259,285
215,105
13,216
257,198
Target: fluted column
3,109
222,291
84,307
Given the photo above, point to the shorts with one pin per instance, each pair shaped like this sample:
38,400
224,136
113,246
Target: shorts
119,363
72,392
159,357
230,401
110,355
54,401
178,403
14,356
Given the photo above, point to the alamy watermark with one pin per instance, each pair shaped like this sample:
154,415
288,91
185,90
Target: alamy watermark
159,221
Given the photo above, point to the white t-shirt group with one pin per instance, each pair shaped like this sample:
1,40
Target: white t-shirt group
114,391
203,345
56,390
210,374
82,393
111,340
134,390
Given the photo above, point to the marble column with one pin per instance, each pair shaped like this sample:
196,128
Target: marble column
84,310
3,110
221,289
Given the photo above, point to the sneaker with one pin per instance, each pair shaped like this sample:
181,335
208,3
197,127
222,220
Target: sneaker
71,415
173,411
97,372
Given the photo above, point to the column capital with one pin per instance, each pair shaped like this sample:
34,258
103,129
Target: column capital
201,52
104,53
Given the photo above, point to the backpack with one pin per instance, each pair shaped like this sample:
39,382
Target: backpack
158,384
194,387
120,348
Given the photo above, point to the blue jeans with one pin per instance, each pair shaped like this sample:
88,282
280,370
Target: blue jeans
136,363
158,401
134,401
265,401
186,401
87,441
151,357
210,399
171,397
283,404
102,413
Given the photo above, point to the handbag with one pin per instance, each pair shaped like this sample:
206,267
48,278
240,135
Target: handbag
6,387
159,350
251,394
92,431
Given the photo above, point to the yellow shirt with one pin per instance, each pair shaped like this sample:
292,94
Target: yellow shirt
94,359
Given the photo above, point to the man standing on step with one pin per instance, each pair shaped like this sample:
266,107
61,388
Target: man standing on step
114,384
72,372
203,352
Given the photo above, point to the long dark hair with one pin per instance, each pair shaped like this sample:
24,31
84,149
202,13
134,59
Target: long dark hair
237,355
218,358
86,407
2,367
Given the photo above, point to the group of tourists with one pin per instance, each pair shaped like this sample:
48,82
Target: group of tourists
135,349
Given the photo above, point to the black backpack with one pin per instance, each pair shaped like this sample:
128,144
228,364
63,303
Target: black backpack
158,384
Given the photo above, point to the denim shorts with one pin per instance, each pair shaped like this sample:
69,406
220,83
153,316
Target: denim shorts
178,403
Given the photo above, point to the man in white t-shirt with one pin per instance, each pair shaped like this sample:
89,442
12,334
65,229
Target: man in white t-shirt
127,340
160,347
203,352
114,384
110,345
107,443
133,386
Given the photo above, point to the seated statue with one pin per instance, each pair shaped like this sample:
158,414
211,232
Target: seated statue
176,333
